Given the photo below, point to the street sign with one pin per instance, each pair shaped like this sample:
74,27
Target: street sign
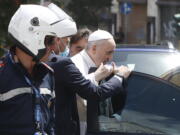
126,8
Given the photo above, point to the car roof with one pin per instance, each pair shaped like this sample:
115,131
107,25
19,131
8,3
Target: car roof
146,48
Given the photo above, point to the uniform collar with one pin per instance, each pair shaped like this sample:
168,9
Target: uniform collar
39,70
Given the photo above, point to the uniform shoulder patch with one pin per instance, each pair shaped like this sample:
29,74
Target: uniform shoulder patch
2,64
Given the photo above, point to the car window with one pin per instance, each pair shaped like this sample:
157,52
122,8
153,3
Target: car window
176,79
153,63
172,76
151,107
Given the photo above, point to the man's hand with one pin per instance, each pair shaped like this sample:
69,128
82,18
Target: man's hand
102,72
122,71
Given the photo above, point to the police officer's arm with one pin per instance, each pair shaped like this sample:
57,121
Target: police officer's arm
72,79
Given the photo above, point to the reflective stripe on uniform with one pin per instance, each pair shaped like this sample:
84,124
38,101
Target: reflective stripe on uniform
13,93
46,91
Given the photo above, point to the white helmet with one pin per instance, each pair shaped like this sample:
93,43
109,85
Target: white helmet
68,26
32,23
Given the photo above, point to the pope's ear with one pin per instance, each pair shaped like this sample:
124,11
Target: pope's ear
94,47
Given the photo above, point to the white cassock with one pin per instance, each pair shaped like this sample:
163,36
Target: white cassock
83,62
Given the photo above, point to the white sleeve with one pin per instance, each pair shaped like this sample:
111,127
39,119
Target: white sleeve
91,77
119,78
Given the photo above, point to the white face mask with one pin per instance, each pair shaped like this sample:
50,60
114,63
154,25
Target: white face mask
65,53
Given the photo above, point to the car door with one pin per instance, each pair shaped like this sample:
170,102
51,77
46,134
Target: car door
151,108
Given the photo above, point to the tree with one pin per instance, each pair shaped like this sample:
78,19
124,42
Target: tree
88,12
5,15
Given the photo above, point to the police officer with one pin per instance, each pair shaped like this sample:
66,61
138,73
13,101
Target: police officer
26,82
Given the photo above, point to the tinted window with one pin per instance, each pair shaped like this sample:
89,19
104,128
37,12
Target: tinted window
152,107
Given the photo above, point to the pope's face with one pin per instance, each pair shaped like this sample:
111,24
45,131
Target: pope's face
104,53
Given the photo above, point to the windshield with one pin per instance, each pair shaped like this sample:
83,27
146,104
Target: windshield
153,63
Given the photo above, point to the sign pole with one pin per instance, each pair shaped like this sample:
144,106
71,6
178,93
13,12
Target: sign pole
126,8
126,27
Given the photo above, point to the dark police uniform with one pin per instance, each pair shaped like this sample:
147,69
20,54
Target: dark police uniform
17,98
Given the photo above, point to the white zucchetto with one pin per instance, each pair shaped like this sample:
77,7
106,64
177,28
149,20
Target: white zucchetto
99,35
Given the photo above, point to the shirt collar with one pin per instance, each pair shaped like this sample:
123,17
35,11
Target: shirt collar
87,58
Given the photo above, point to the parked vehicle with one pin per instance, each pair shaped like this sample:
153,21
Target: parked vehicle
153,60
153,99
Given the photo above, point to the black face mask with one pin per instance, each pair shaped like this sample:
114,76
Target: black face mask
41,53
